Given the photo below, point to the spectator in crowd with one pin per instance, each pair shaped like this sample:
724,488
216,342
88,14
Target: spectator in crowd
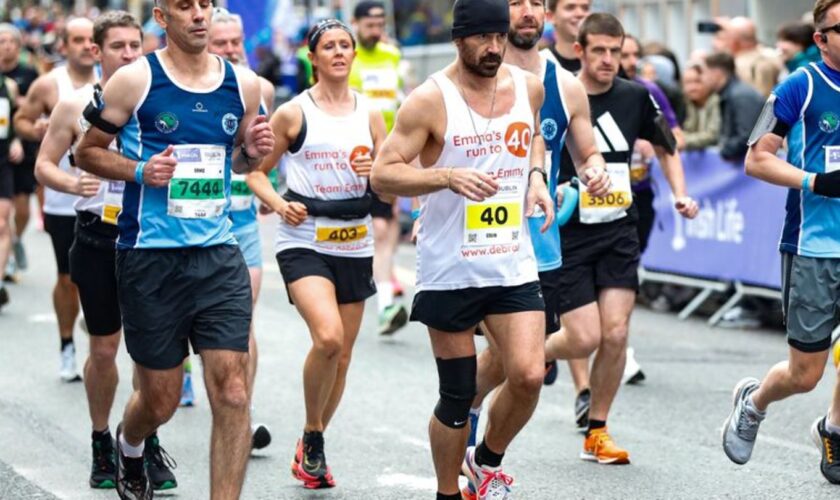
795,43
631,53
740,105
756,65
659,49
268,64
702,123
661,70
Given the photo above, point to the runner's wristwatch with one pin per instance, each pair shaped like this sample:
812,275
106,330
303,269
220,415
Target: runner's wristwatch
541,172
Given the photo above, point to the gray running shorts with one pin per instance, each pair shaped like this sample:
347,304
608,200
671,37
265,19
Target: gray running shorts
810,300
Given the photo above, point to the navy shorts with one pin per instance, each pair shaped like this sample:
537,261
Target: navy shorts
175,297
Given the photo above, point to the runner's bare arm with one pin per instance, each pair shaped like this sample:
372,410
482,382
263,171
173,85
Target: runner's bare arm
62,131
379,132
414,128
763,163
580,139
16,147
672,167
536,92
28,120
121,95
255,134
267,91
538,194
286,123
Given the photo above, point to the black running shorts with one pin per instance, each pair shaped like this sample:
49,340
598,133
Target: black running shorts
460,310
597,257
550,285
24,173
7,181
175,297
381,210
352,277
93,270
61,229
647,216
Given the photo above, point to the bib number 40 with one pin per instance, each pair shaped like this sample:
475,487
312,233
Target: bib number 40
495,216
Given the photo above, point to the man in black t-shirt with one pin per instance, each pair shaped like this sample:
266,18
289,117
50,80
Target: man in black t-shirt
600,245
24,169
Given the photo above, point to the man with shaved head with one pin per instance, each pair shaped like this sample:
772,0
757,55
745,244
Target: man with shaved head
755,64
30,122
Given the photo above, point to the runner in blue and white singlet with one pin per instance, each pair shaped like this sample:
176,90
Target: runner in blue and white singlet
180,113
803,109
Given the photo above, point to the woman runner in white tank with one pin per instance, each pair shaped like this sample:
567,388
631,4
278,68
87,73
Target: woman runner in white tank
328,137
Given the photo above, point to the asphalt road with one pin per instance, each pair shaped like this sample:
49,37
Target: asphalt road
378,447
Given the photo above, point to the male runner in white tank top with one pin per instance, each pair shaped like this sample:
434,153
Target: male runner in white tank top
565,119
474,126
60,214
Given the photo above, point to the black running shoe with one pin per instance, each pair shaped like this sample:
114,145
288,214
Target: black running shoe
260,436
103,471
310,465
550,373
829,445
159,465
132,479
582,402
4,296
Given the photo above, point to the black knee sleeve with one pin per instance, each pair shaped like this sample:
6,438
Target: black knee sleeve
457,390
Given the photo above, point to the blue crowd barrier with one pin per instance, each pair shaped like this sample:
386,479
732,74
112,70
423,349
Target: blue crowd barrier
735,238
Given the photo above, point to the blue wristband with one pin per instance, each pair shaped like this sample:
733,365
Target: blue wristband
138,172
415,214
806,182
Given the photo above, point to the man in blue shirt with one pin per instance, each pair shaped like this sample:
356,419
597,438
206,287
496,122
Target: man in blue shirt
803,109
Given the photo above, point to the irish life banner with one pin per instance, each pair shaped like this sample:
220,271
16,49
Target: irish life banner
736,235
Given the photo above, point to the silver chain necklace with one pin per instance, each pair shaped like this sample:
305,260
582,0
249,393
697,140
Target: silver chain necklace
469,109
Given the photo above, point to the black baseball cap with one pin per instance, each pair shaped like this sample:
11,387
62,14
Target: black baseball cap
364,9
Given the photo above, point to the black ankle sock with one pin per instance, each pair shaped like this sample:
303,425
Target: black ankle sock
486,456
443,496
313,440
596,424
65,343
101,435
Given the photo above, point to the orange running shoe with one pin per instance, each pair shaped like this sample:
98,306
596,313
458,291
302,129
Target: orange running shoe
600,447
313,476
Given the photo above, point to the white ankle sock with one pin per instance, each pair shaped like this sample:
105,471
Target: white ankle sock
131,451
753,408
384,295
831,428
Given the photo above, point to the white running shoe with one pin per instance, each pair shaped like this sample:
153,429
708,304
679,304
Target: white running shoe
485,483
633,373
68,372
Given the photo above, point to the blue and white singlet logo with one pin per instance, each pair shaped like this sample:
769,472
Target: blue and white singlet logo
166,122
230,123
549,129
829,122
